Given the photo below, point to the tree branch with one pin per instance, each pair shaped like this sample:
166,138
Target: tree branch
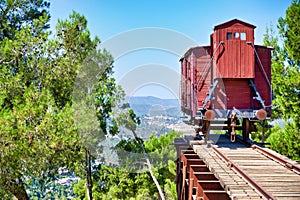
161,194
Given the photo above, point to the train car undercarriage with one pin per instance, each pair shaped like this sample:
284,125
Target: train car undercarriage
230,120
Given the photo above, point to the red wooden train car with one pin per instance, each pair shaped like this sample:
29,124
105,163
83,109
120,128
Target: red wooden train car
229,80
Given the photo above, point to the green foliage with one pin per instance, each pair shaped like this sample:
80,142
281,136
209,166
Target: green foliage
95,95
286,141
115,182
14,14
4,194
285,65
50,188
39,117
286,82
70,49
130,145
289,30
37,124
127,118
263,126
80,189
108,96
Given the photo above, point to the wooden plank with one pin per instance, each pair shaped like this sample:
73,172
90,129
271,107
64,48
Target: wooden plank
210,185
208,194
199,168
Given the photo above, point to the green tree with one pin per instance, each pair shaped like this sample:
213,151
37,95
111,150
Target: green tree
290,32
286,141
15,13
37,131
39,117
32,127
286,64
95,96
120,182
130,121
285,81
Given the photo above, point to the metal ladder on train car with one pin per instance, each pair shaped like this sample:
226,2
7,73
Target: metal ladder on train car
258,97
210,94
203,78
207,67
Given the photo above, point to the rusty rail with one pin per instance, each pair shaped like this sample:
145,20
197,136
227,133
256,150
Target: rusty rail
273,156
265,194
289,165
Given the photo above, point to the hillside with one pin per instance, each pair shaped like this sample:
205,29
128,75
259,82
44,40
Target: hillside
154,106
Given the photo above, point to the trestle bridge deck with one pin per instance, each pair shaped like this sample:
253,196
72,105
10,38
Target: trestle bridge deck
225,170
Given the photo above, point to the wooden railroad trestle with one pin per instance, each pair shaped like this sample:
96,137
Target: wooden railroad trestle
239,172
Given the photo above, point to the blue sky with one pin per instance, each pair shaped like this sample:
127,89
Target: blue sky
193,19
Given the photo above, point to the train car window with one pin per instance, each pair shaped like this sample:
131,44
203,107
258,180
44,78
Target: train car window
236,34
229,36
243,36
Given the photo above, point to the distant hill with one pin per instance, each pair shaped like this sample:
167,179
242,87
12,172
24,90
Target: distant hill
150,105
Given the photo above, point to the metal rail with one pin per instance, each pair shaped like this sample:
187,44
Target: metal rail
206,71
265,194
262,69
277,158
207,66
258,97
260,64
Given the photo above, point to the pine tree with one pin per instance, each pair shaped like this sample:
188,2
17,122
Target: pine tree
285,81
37,120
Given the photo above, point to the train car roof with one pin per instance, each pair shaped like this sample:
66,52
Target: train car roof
190,50
267,47
231,22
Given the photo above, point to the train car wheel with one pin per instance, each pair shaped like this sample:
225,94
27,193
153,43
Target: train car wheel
246,129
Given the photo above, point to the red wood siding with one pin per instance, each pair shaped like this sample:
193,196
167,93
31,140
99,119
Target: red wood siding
203,74
262,86
235,58
192,68
233,93
234,64
183,88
